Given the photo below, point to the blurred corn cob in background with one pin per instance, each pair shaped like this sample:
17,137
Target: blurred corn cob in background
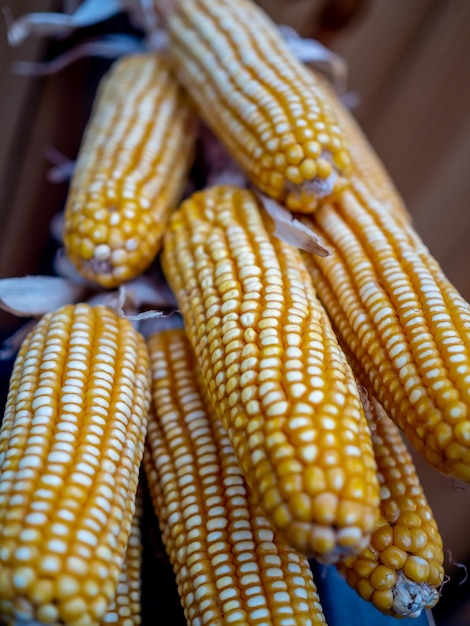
131,170
405,328
274,372
229,565
263,104
71,444
401,571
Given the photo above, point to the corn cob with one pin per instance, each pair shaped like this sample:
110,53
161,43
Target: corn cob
265,106
406,329
71,444
274,372
125,608
401,570
229,566
130,171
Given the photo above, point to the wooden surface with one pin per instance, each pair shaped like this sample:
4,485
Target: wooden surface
409,63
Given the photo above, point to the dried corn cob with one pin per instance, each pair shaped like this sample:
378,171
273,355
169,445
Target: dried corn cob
406,328
125,607
71,444
265,106
130,171
274,372
401,571
229,566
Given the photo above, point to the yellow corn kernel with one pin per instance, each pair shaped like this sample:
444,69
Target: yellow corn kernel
401,571
71,443
230,567
274,372
125,609
130,172
405,328
265,106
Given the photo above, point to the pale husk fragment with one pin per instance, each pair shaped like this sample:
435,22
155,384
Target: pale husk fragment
31,296
291,230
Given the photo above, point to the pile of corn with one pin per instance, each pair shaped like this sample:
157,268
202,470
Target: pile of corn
268,426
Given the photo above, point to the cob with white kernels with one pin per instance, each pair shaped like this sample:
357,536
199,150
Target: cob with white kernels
71,444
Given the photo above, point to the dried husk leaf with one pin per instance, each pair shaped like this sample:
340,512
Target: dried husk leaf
291,230
47,23
31,296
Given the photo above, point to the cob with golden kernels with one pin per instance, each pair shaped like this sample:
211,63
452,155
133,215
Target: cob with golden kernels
401,571
405,328
71,443
230,567
263,104
273,372
131,170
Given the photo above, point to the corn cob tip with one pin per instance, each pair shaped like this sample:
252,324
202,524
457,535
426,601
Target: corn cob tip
326,544
319,187
410,597
307,196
